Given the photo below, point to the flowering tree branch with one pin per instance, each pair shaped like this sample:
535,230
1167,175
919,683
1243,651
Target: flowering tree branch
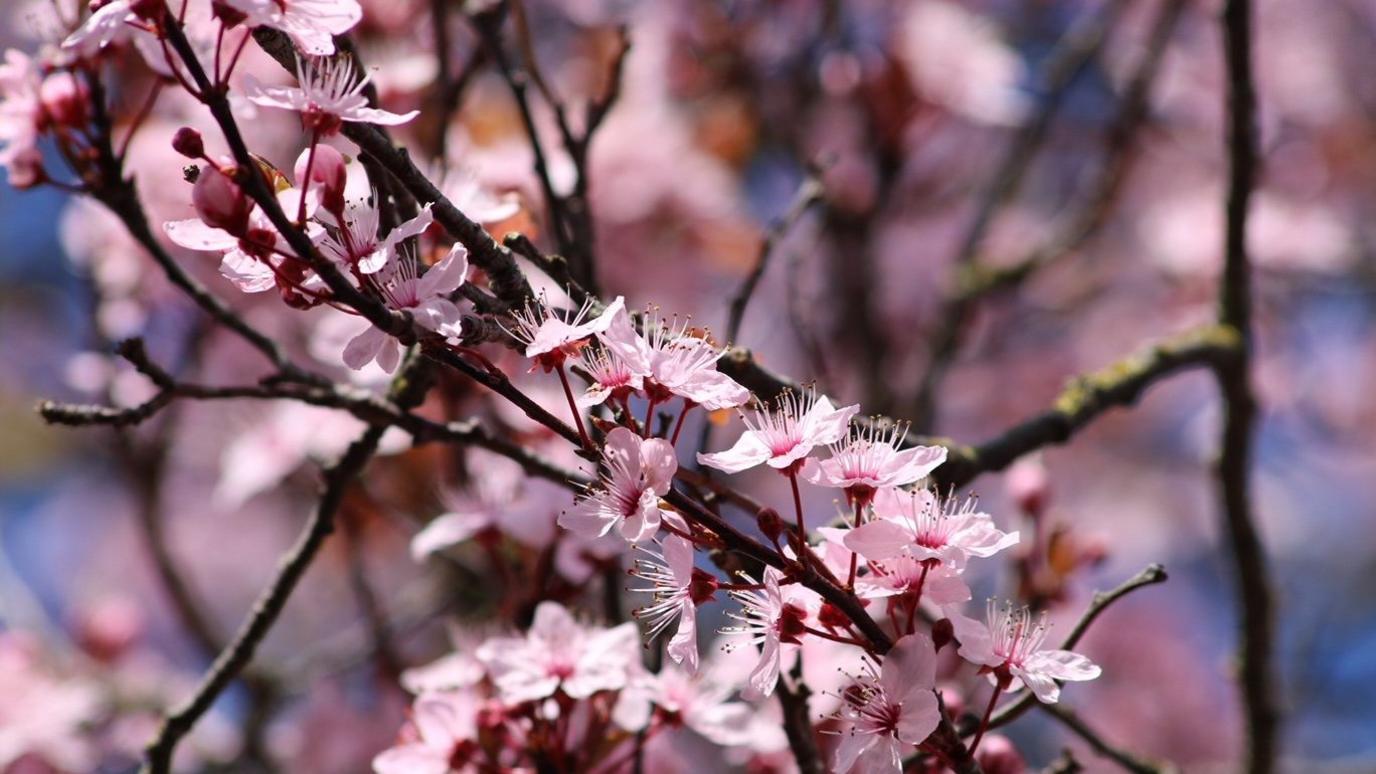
1239,402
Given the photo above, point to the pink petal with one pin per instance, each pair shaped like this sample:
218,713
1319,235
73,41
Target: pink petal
196,235
447,530
878,540
748,452
363,348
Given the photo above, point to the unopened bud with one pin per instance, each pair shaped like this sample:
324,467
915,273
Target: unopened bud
831,616
220,202
1029,486
328,176
943,633
770,524
188,142
148,10
65,99
997,755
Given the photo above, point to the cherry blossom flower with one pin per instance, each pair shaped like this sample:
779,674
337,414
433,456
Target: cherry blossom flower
355,243
678,588
110,21
425,297
500,501
611,376
550,339
927,527
890,708
559,654
42,715
672,362
697,701
1009,644
638,472
770,617
782,436
872,458
311,24
330,92
21,114
466,192
442,738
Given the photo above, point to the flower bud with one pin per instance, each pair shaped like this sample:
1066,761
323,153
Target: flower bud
943,633
65,99
148,10
831,616
227,14
997,755
220,202
770,524
328,170
188,142
1028,486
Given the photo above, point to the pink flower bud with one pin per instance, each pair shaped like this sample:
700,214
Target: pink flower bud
188,142
65,99
998,756
1029,486
329,172
220,202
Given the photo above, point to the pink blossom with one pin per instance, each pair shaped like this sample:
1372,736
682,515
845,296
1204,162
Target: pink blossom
890,709
770,618
678,588
355,241
927,527
559,654
937,583
698,702
42,714
611,376
424,296
466,192
21,115
443,738
550,339
499,501
311,24
672,362
871,459
782,436
330,92
1010,646
638,472
101,28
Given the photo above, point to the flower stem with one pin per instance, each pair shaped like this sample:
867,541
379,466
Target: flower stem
678,426
988,712
306,183
650,417
804,550
854,557
573,407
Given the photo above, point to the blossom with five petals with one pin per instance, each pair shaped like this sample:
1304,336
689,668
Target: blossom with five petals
783,435
330,93
559,654
638,472
424,296
872,459
311,24
1009,645
890,708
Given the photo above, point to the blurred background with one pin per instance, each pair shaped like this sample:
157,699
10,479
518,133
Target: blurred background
1012,193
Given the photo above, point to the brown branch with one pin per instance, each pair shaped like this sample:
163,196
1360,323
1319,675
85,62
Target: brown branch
1239,402
1087,397
1071,720
797,720
808,194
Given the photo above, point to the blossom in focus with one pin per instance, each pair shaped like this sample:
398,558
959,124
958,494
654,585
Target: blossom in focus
770,617
611,376
638,472
889,709
550,339
672,362
1009,644
424,296
330,92
872,459
678,588
311,24
355,242
928,527
442,737
784,434
559,654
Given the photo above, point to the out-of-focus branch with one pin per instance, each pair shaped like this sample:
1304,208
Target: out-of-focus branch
808,194
269,606
1150,576
1073,53
1087,397
1254,593
1071,720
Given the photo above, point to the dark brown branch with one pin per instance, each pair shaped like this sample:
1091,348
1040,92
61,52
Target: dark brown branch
797,720
1239,402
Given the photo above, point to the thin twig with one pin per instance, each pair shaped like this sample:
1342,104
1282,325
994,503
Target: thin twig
808,194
